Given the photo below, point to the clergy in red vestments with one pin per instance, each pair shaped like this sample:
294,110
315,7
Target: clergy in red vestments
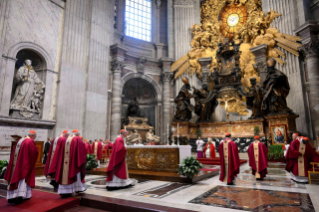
117,173
97,150
229,160
298,158
50,167
258,158
70,170
209,149
87,147
20,172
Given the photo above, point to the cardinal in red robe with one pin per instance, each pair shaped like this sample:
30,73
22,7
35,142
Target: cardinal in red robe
20,172
71,161
229,160
97,150
87,147
258,158
298,158
117,172
209,149
50,167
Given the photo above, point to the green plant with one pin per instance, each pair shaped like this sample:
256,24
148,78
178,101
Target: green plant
275,152
189,167
3,167
199,132
91,162
256,130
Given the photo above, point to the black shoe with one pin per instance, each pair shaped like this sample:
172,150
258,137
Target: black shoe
80,191
13,200
65,195
260,179
55,184
18,200
230,183
112,188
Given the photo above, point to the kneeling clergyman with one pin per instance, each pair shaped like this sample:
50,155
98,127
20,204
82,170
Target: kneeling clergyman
258,158
229,160
117,172
20,172
50,166
298,158
71,163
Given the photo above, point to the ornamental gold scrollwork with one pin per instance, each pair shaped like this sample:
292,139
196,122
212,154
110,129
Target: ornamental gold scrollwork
243,22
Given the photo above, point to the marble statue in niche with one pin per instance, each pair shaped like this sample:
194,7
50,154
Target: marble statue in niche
29,93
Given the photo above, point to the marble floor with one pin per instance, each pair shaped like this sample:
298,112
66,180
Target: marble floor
276,193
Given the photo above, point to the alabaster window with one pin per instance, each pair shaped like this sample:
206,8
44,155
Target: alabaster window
138,19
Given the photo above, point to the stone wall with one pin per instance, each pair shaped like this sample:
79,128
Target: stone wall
83,89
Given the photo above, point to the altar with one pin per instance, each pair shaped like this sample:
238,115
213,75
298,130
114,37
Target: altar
156,158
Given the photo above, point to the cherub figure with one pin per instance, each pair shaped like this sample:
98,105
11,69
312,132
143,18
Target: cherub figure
36,100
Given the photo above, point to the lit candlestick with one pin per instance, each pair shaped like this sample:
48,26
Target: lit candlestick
177,130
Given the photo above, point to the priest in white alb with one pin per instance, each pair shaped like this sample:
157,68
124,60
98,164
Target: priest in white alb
20,172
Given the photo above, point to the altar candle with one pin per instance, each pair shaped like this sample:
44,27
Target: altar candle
177,129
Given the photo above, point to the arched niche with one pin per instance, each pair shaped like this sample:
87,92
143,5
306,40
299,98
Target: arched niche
146,95
38,63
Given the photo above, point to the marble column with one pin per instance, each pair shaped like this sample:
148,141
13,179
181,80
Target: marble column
166,78
260,53
117,66
205,62
310,44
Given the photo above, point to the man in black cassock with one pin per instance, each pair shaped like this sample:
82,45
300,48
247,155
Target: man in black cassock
46,150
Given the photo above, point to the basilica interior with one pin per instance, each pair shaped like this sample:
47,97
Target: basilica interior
180,77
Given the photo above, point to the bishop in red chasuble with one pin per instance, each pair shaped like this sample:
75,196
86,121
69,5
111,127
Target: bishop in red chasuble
229,160
71,163
50,166
298,158
258,158
97,150
20,172
117,172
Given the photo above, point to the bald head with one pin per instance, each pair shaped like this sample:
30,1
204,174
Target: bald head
271,62
124,133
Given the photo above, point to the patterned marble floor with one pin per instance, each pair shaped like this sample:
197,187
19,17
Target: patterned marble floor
277,186
249,199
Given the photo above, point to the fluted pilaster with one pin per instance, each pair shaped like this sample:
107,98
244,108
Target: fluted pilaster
117,66
166,78
310,44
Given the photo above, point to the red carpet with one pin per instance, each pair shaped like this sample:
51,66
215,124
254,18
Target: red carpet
41,201
215,161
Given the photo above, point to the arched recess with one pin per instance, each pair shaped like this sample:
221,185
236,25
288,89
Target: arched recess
155,88
13,51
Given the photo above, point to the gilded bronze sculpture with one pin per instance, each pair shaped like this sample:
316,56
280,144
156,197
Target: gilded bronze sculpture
184,108
276,89
254,99
205,104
